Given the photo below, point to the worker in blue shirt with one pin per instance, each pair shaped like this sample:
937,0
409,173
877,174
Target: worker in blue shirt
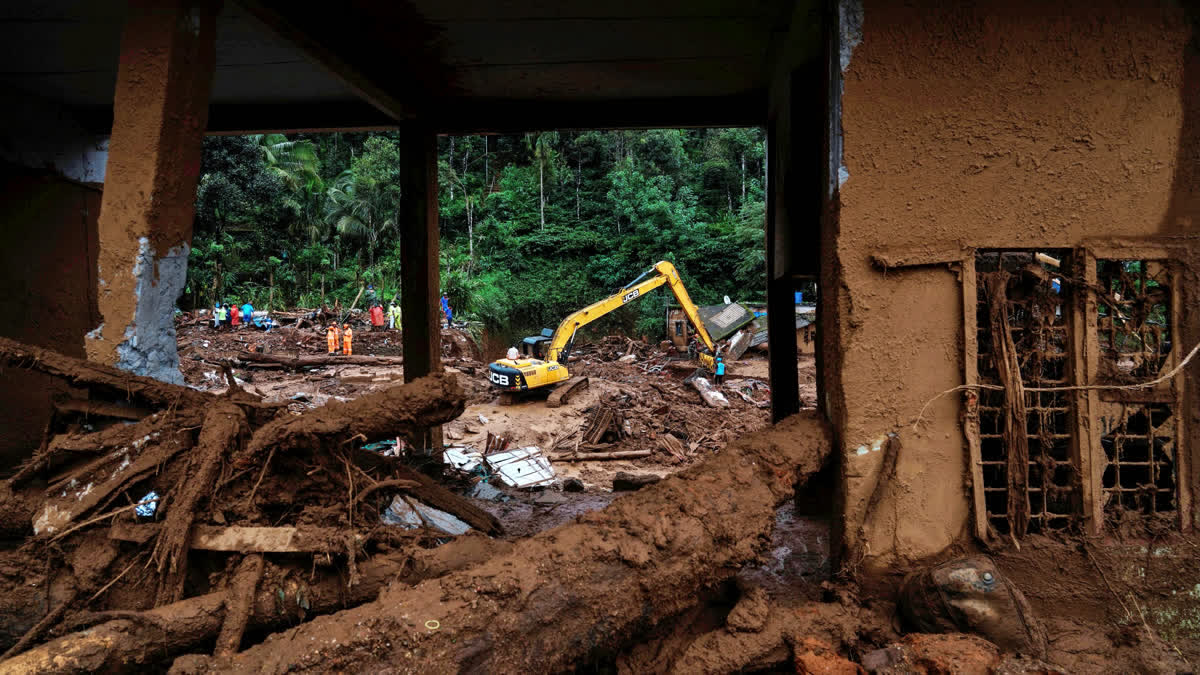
720,378
247,313
446,309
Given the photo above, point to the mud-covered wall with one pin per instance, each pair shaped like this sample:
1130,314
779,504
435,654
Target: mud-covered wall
994,124
47,270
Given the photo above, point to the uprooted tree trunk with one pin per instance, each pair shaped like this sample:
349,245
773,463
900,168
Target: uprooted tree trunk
563,594
401,410
133,639
118,384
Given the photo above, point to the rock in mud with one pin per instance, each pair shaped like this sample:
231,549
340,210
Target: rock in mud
970,595
627,482
573,485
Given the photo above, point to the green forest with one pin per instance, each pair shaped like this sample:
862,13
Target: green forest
533,226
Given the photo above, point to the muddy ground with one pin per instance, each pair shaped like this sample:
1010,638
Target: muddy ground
649,393
266,551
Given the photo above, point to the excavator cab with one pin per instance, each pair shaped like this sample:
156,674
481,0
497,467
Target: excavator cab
535,346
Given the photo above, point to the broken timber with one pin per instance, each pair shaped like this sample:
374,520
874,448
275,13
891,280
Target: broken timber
593,456
131,639
653,560
242,539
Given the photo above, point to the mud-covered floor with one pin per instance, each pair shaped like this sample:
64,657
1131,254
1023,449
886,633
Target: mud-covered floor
696,571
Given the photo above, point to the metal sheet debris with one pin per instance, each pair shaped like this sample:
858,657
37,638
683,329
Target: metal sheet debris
522,467
462,457
416,515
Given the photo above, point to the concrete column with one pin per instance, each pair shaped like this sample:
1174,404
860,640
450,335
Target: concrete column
420,280
160,109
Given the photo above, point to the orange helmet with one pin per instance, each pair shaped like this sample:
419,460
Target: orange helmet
345,325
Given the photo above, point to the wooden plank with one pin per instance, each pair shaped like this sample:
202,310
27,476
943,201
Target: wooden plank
1183,450
1085,443
970,422
1091,455
889,258
242,539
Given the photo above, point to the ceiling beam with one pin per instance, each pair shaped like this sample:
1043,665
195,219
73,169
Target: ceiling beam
475,116
354,79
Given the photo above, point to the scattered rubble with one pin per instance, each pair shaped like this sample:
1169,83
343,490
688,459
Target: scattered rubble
234,518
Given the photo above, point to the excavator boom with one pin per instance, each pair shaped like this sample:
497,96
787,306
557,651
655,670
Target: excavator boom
661,273
532,373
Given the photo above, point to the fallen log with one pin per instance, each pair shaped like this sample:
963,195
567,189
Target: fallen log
115,384
711,395
400,410
145,638
253,359
126,434
574,590
591,456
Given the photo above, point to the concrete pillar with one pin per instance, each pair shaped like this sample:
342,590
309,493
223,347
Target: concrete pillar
160,109
420,281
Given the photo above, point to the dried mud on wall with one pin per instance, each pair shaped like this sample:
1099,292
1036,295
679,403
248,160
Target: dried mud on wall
49,300
1006,125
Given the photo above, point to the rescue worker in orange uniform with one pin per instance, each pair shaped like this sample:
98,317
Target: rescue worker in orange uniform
347,336
331,337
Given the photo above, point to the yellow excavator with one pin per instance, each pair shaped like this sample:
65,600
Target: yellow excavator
542,359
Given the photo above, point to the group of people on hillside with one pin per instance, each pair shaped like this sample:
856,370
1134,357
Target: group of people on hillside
225,314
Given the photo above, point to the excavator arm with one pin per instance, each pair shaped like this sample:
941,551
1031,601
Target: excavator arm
662,273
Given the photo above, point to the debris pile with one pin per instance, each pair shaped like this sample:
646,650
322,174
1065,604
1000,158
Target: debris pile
149,503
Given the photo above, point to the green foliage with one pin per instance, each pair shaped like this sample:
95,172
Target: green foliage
533,226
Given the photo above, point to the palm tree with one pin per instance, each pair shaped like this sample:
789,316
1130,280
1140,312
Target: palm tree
542,146
361,208
297,166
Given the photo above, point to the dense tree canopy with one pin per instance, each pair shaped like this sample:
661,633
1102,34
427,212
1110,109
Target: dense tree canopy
533,226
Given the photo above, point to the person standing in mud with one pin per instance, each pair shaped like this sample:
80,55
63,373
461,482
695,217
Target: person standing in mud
332,338
393,315
720,374
376,317
347,337
218,315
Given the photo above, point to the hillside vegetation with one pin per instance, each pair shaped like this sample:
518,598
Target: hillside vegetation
533,226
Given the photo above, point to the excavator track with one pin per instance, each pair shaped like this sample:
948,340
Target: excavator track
564,391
